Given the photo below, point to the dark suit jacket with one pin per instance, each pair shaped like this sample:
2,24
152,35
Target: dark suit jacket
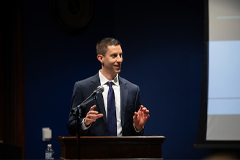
130,102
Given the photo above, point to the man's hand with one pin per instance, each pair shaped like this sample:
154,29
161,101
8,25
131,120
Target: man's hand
92,116
140,117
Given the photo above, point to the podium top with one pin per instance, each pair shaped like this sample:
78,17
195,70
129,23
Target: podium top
112,138
71,140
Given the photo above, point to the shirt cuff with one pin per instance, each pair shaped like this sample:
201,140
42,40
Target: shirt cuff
138,131
84,127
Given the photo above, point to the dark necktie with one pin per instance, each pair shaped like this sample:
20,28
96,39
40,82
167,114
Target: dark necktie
111,112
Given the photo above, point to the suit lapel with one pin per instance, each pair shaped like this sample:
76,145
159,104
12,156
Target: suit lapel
99,99
124,95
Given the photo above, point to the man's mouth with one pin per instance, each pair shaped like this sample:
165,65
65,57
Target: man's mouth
118,66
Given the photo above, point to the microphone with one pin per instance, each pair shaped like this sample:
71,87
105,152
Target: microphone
98,90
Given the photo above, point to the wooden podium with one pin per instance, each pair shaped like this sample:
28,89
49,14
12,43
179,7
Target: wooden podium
104,147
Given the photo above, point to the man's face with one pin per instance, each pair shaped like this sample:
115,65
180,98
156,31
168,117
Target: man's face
111,62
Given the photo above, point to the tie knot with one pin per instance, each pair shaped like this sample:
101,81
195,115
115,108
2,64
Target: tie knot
110,84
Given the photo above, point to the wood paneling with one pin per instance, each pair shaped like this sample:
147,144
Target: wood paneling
12,90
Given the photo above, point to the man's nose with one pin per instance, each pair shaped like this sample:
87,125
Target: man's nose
119,59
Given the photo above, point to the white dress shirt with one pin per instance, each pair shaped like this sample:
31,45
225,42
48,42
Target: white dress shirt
116,88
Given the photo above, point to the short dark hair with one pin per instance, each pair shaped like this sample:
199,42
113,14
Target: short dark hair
102,46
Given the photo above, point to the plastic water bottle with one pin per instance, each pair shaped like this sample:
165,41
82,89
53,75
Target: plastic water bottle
49,152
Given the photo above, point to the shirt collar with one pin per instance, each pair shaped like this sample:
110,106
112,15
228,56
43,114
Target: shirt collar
104,80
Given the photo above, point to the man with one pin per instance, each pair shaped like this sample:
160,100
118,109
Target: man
115,112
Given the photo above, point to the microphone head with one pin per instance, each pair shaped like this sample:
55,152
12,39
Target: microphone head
99,89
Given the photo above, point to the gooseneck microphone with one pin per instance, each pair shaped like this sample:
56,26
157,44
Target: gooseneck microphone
93,96
99,89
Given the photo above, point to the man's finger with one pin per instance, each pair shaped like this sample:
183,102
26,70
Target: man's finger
146,111
100,115
135,115
92,108
94,116
93,112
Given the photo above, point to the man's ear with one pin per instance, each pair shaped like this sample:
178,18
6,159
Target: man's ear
100,58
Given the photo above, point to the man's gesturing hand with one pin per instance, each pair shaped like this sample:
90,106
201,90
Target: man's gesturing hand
92,116
140,117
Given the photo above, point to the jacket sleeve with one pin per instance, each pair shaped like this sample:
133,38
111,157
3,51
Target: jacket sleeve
77,99
137,106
